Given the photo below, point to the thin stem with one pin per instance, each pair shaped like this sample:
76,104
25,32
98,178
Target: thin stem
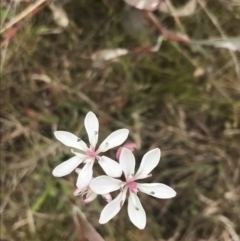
162,31
22,15
81,231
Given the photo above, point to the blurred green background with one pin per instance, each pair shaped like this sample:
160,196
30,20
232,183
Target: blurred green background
183,99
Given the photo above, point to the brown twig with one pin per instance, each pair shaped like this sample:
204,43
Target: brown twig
164,32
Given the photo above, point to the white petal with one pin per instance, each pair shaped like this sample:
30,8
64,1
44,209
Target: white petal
67,167
116,138
136,212
105,184
77,192
149,5
112,208
92,127
131,146
110,167
89,196
77,170
148,163
85,175
83,156
107,197
158,190
127,162
71,140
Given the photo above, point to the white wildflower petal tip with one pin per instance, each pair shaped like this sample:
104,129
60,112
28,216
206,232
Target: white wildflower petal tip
127,162
107,197
112,209
149,161
105,184
110,167
149,5
85,175
157,190
116,138
69,139
77,170
89,197
92,127
77,192
136,212
67,167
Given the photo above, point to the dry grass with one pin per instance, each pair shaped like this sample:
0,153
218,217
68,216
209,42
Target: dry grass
48,83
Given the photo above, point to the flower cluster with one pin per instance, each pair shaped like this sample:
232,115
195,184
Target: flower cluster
123,168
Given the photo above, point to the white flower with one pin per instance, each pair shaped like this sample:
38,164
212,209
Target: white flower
87,194
105,184
87,154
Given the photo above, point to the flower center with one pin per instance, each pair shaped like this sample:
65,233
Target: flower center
91,153
132,186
